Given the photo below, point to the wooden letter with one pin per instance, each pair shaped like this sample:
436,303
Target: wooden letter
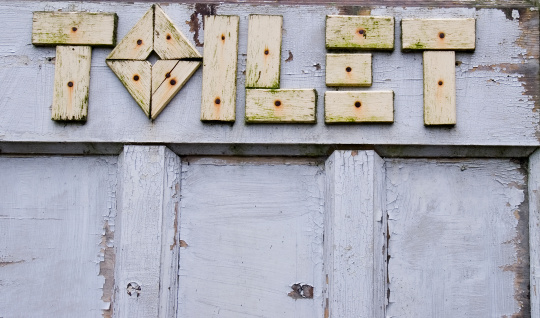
439,88
438,34
359,107
169,42
138,43
264,51
348,70
71,82
281,106
219,72
74,28
359,32
137,78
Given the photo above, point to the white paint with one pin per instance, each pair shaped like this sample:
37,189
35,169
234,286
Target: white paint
534,231
484,96
253,228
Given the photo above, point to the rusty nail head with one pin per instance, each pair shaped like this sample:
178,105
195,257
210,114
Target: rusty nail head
217,101
277,103
361,32
168,75
173,82
70,84
266,52
357,104
168,36
136,78
348,69
74,29
440,82
223,36
139,42
441,35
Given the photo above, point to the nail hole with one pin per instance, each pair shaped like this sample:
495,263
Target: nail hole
441,35
357,104
173,82
70,84
223,37
139,42
168,36
266,52
362,32
74,29
440,82
348,69
217,101
277,103
136,78
167,75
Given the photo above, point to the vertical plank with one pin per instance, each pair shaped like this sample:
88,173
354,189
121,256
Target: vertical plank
355,235
219,71
147,260
534,232
71,82
264,51
439,88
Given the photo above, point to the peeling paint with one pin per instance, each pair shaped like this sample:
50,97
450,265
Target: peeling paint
201,10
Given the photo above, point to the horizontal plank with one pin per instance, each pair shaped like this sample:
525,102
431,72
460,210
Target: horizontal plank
281,105
74,28
348,70
359,32
438,34
359,107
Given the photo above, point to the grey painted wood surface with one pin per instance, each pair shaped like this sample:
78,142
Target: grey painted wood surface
458,238
495,85
534,231
250,229
57,221
355,235
147,250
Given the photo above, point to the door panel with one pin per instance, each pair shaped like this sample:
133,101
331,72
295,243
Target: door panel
458,238
249,230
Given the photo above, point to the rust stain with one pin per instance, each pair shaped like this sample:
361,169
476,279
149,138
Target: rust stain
290,58
201,10
106,268
175,224
326,310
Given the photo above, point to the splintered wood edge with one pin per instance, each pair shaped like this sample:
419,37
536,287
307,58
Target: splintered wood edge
264,105
97,29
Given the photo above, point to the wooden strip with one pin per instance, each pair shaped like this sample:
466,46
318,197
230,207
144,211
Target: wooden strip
171,85
355,235
138,43
169,42
136,76
147,257
281,106
219,71
71,83
74,28
534,232
264,51
438,34
359,107
160,69
439,88
359,32
348,70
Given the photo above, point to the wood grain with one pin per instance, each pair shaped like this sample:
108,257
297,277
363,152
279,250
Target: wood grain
438,34
348,70
136,76
359,32
439,88
74,28
281,106
138,42
219,68
168,88
458,241
169,42
359,107
71,83
355,235
147,257
263,51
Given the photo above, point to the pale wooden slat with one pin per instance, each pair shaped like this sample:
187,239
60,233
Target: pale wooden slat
136,76
281,106
168,88
348,70
169,42
355,235
71,83
359,32
439,88
159,72
138,42
534,231
219,71
359,107
438,34
74,28
264,51
147,239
